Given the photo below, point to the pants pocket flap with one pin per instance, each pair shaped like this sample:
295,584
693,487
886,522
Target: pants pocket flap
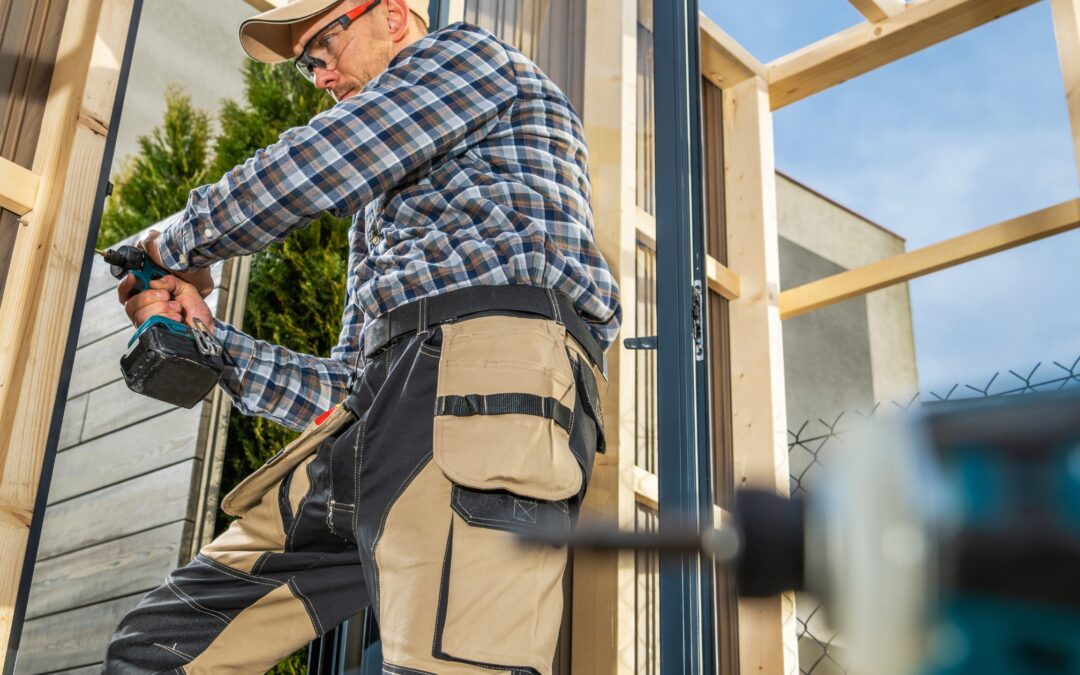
500,510
505,408
250,491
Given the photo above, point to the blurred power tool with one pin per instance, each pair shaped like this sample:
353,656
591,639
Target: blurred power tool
165,359
945,542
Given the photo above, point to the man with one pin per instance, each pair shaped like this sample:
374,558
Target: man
462,405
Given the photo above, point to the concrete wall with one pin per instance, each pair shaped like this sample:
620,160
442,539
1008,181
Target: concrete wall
858,352
189,42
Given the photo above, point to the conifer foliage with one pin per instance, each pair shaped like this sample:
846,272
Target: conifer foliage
173,159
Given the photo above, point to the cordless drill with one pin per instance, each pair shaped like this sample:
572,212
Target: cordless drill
165,359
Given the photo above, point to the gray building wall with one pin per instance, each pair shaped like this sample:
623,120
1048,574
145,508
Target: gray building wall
193,43
853,354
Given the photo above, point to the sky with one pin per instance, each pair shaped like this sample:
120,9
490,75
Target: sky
962,135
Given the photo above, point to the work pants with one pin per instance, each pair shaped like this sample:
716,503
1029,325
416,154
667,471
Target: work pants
409,499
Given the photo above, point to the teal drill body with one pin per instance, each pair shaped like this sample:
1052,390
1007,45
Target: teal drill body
134,261
165,359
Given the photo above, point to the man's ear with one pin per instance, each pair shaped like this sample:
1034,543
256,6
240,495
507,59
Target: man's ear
398,19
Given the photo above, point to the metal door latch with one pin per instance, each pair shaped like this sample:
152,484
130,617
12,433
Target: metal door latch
640,342
698,313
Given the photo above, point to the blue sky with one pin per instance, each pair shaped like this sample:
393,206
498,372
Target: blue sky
959,136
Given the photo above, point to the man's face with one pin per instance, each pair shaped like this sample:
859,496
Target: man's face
356,55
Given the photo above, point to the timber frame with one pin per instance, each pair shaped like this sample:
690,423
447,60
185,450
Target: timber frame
749,282
59,200
55,200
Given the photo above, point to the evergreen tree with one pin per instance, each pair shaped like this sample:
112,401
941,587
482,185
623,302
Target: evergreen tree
173,159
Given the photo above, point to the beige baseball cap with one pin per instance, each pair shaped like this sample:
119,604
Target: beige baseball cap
267,37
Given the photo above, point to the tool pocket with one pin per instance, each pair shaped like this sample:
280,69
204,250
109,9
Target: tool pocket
250,491
504,422
504,410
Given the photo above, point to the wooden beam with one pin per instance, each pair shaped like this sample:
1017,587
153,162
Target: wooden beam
767,641
900,268
725,62
645,226
868,46
1066,15
878,10
18,187
646,488
46,263
603,585
647,493
721,279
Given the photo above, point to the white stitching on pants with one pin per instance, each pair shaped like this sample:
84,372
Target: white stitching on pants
308,606
236,574
358,461
190,602
174,650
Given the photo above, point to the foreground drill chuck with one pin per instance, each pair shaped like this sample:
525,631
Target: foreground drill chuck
165,359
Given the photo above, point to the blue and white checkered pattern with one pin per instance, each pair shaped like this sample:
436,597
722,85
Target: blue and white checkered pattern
463,164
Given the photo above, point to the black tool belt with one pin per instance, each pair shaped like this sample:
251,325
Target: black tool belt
466,302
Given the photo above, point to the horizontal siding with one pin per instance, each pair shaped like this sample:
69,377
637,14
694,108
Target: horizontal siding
149,501
114,407
132,564
73,639
126,487
128,453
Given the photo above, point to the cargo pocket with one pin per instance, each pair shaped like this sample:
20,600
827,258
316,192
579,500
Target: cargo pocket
251,490
504,419
504,408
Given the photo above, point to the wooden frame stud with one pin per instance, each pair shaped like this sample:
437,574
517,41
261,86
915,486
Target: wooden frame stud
949,253
1067,30
46,264
868,46
18,187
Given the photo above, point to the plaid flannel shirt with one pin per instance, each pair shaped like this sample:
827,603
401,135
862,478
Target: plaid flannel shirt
463,164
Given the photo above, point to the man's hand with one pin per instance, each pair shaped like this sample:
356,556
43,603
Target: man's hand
199,278
169,296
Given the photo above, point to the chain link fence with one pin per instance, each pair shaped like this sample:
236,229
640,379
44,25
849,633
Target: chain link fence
811,446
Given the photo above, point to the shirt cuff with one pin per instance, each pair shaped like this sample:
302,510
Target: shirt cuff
238,348
173,246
